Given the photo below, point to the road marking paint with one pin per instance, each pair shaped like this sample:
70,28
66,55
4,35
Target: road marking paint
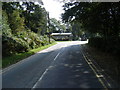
94,71
39,79
45,71
56,56
2,71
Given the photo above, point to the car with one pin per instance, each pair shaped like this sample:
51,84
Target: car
83,39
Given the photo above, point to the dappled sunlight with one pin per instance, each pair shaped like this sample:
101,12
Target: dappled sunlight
70,43
45,44
84,85
62,63
86,72
61,45
75,74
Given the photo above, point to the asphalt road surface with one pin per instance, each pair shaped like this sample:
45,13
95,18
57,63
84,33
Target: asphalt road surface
59,66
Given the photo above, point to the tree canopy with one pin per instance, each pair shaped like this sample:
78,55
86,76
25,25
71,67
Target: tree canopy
100,19
35,17
95,17
57,26
23,27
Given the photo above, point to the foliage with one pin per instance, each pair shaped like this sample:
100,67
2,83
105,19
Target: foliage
5,27
12,45
17,57
16,36
16,22
111,45
77,30
97,18
56,26
35,17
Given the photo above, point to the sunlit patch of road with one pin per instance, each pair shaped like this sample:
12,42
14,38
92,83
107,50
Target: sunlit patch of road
60,66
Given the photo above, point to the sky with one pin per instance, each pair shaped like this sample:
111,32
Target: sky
54,8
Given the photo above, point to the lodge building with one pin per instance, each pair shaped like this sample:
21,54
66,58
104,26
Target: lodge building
62,36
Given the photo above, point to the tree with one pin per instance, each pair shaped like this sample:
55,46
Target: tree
95,17
77,30
6,31
56,26
16,22
101,20
16,36
35,17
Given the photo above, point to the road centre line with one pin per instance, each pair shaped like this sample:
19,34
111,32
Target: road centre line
56,56
39,79
34,86
3,70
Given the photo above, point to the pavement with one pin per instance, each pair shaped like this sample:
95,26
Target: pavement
59,66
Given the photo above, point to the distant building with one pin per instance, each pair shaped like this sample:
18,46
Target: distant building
61,36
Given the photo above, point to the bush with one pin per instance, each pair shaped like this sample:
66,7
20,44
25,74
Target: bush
31,38
24,41
19,39
12,45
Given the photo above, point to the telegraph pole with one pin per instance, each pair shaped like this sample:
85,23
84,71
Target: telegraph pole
48,26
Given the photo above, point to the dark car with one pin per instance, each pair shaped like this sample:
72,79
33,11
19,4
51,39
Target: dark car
83,39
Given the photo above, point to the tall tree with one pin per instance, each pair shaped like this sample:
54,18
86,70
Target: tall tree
77,29
35,17
16,22
56,26
102,18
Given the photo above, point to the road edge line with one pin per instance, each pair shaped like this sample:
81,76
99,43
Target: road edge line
99,79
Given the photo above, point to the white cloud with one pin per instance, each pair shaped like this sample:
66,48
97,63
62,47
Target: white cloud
54,8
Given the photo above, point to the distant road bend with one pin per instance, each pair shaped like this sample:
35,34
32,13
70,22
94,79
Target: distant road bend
59,66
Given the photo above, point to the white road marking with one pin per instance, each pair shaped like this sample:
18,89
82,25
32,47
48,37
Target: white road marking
26,59
45,72
56,56
40,78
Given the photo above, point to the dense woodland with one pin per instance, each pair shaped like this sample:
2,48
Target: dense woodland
100,20
24,26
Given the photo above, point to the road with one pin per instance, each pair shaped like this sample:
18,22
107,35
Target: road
59,66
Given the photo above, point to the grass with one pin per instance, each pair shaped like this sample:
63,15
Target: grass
7,61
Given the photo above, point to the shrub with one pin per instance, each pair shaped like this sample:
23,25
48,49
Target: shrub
13,45
19,39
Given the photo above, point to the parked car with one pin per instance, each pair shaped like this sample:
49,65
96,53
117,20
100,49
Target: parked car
83,39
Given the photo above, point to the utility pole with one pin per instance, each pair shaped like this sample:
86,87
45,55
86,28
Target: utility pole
48,26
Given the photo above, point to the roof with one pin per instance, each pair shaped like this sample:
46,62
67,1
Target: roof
61,34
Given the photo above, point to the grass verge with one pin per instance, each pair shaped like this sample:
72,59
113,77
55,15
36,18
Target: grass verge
7,61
